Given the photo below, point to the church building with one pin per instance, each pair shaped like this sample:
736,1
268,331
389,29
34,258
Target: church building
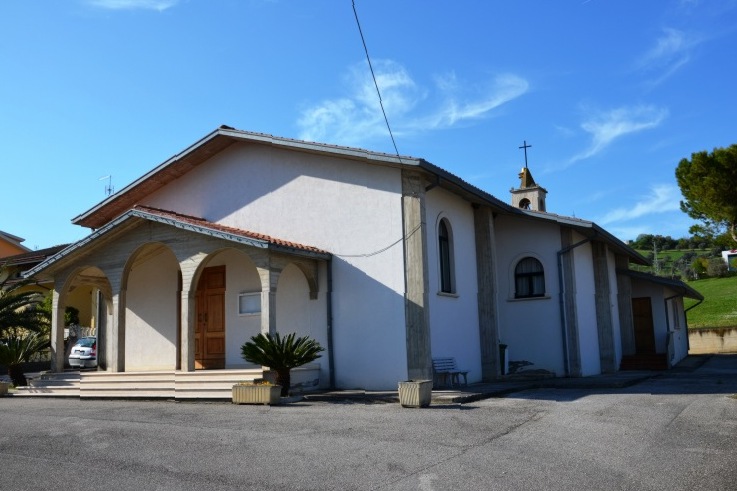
387,261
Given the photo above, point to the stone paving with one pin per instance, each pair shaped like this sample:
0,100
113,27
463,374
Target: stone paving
510,385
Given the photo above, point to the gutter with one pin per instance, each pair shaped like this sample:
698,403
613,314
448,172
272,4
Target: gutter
562,306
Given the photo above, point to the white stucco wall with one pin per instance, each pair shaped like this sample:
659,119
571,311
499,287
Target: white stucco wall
151,314
454,324
530,327
588,334
350,209
296,312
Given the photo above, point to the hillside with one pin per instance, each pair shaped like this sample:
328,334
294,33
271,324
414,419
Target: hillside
719,308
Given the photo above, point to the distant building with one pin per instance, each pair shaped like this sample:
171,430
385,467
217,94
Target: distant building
10,245
730,257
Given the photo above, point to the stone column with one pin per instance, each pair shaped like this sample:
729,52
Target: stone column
269,275
419,354
604,323
568,303
117,333
487,298
187,324
188,266
57,329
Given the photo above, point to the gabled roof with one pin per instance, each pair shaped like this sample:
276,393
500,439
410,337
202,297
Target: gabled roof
201,151
225,136
184,222
592,231
677,285
33,257
14,240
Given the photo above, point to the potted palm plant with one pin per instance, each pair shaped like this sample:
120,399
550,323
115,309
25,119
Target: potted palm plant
281,354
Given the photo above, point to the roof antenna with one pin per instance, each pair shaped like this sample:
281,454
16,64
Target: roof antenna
109,188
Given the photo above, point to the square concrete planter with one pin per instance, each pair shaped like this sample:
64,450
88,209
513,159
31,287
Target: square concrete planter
256,394
415,393
4,388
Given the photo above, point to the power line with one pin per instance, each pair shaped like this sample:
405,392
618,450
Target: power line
391,135
373,75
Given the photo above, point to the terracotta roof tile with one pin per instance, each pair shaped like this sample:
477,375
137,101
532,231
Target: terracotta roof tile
201,222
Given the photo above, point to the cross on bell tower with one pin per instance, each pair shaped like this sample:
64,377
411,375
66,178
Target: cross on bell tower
525,146
529,195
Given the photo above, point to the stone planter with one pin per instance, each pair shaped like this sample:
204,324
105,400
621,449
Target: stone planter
415,393
4,388
256,394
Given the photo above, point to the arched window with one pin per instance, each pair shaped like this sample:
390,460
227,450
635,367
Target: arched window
445,251
524,204
529,278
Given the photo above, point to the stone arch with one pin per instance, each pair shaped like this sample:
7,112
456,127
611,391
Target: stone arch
296,310
309,270
150,294
241,278
88,289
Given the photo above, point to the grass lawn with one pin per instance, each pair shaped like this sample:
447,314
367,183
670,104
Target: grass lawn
719,309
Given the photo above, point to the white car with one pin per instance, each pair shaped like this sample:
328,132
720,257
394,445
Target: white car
84,353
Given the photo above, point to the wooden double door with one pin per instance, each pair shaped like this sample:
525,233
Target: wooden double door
210,313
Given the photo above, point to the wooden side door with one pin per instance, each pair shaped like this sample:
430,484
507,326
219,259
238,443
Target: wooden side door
210,315
642,312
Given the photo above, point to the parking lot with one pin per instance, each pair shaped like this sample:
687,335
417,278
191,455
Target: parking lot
671,432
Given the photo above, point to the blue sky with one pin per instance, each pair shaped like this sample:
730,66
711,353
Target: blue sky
610,94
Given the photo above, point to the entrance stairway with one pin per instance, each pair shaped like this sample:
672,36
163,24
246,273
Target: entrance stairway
201,384
644,361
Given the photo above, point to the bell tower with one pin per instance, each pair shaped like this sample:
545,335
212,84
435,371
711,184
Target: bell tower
529,195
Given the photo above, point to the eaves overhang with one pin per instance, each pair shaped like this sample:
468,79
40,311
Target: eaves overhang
183,222
447,180
678,285
592,231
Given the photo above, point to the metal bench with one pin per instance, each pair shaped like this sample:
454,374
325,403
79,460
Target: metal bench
446,370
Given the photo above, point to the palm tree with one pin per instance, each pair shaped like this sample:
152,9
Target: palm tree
20,311
23,327
281,354
19,349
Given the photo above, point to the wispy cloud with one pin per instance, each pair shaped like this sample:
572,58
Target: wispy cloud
606,127
411,109
661,199
159,5
672,50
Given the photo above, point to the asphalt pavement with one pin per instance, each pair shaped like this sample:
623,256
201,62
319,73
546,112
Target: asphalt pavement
670,431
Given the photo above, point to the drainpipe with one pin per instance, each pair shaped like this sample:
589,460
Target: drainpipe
694,305
561,295
329,305
685,317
